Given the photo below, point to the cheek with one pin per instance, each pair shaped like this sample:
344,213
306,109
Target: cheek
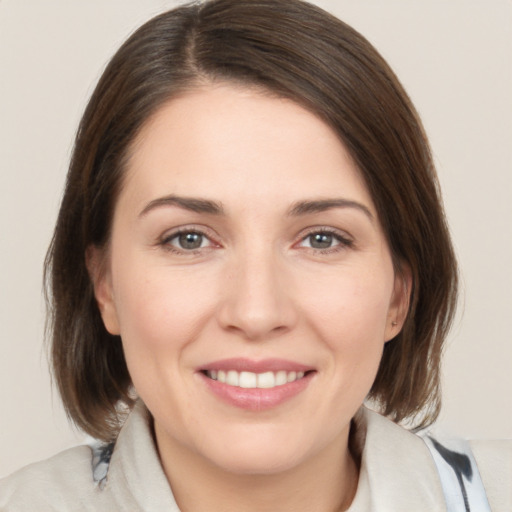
350,318
159,308
354,307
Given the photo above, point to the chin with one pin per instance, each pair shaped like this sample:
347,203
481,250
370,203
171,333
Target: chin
266,463
259,453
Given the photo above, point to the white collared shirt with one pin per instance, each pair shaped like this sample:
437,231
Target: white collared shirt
397,474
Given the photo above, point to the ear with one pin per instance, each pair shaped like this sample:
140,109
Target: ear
399,305
100,275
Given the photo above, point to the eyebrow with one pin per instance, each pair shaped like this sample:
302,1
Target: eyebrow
193,204
322,205
200,205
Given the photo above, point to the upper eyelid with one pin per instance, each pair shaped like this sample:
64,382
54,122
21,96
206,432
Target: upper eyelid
192,228
175,234
325,229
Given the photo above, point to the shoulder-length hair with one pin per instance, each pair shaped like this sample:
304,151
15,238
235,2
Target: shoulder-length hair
294,50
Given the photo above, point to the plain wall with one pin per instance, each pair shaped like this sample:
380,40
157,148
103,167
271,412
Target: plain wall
454,58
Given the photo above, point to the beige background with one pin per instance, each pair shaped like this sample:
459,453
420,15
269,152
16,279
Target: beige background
453,56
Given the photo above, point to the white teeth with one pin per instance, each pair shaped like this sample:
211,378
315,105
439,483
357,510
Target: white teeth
232,378
282,378
247,380
266,380
252,380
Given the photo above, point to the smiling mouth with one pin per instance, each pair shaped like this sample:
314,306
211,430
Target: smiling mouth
256,385
250,380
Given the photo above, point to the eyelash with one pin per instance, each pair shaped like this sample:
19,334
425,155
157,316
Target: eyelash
165,241
344,242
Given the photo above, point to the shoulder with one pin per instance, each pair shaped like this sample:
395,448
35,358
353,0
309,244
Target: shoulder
59,483
126,475
397,470
402,468
494,461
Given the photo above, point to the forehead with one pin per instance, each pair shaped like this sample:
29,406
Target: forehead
230,142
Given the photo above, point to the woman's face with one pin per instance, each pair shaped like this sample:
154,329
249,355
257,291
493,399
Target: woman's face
249,279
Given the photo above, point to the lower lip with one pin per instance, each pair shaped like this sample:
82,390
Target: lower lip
257,399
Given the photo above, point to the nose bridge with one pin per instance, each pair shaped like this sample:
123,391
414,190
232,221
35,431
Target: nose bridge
257,302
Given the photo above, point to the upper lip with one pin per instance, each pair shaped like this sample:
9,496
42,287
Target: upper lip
241,364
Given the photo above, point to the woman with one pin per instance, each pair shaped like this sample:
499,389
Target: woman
251,243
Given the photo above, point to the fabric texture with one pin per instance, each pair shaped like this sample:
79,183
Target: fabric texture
397,474
460,477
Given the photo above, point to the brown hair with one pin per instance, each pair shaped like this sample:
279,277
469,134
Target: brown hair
295,50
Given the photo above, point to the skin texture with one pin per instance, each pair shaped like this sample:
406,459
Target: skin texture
257,287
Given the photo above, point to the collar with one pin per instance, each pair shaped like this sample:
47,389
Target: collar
397,472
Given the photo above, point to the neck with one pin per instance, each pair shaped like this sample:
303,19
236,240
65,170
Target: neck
326,482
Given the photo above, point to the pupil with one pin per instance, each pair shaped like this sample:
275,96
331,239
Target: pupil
321,240
191,240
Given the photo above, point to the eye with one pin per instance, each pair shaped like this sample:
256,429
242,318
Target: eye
323,240
187,241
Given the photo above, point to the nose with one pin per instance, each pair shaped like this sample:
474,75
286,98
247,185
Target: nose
257,298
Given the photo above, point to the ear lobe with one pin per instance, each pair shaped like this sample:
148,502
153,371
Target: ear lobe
399,305
95,259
